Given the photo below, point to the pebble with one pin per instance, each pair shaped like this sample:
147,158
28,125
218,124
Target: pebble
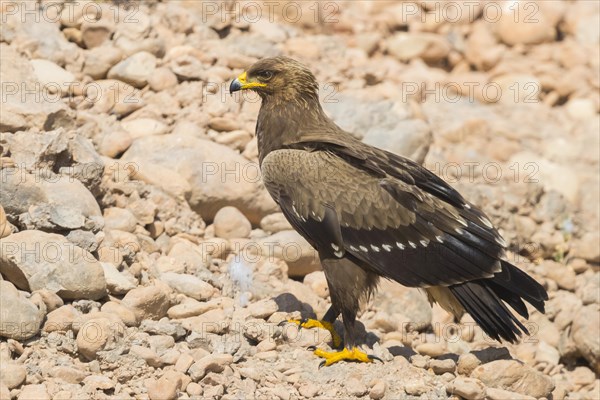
162,79
467,363
96,32
50,299
116,282
98,333
184,363
135,70
546,353
274,223
189,285
114,97
378,390
55,78
101,382
230,223
428,46
142,127
440,367
515,27
585,332
68,374
468,388
501,394
263,309
124,313
148,355
12,374
212,189
99,60
165,388
355,387
61,319
34,392
210,363
119,218
431,349
149,302
513,376
68,270
222,124
21,319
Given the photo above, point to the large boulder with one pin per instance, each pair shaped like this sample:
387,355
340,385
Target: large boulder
217,175
20,318
25,104
34,260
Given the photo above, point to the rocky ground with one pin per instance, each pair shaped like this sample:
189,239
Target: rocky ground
142,258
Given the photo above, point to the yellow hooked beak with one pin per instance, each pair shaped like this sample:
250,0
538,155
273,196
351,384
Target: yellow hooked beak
242,83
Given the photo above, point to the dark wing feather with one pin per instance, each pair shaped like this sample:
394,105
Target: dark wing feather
395,228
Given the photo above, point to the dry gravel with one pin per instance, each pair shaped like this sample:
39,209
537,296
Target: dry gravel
141,257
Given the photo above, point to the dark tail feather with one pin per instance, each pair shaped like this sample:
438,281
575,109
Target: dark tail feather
483,299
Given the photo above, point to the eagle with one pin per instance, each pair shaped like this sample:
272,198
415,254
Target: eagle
372,214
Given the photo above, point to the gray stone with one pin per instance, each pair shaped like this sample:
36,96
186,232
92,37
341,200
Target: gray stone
586,334
24,104
135,70
35,260
57,152
20,319
189,285
217,175
53,203
514,376
382,124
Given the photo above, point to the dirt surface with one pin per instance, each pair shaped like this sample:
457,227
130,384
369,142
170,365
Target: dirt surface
141,257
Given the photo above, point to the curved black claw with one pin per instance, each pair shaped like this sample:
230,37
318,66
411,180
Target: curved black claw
311,348
375,358
282,323
322,364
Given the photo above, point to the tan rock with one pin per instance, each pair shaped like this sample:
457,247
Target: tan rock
119,218
165,388
468,388
514,376
526,23
149,302
21,318
165,178
6,227
113,96
34,392
428,46
124,313
61,319
162,79
230,223
135,70
12,374
274,223
99,60
189,285
98,333
210,363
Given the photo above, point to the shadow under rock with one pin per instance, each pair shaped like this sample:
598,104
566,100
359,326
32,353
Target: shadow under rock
287,302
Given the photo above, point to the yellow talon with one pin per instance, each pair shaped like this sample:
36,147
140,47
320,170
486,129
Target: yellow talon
354,354
315,323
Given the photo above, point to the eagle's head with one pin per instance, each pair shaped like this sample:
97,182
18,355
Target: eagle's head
278,78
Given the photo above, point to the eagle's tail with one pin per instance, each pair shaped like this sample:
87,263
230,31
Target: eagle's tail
484,299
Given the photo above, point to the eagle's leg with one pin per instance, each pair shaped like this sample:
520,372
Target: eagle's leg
348,285
325,323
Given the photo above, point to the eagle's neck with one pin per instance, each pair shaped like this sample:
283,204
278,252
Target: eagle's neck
282,122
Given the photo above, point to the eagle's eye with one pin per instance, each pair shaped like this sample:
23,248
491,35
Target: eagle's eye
265,75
